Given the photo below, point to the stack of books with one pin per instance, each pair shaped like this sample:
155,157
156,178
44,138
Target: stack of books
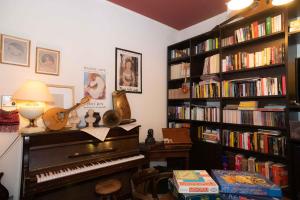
211,64
208,134
245,185
263,141
181,70
180,53
207,45
192,185
246,60
295,25
252,87
275,172
205,113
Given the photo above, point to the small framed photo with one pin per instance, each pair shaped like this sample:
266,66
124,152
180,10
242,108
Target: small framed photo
47,61
128,71
63,95
15,51
6,101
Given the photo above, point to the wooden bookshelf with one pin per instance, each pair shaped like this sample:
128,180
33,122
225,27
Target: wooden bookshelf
288,42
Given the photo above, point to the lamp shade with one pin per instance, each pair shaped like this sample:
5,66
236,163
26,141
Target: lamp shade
33,91
281,2
239,4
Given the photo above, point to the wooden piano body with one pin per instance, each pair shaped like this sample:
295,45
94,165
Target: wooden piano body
68,164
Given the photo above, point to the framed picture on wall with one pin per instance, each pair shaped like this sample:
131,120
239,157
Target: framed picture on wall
15,51
128,71
47,61
63,95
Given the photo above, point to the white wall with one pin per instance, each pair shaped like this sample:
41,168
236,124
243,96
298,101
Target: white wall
86,33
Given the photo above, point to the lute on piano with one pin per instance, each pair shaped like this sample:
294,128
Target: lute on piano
56,118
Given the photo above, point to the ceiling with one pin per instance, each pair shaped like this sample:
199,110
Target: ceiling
178,14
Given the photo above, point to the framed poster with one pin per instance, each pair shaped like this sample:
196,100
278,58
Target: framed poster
63,95
128,71
15,51
47,61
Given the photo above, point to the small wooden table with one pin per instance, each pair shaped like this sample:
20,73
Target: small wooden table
160,152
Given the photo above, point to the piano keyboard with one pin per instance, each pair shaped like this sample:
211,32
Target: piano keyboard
50,175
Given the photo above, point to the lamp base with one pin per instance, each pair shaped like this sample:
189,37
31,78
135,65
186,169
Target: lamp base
35,129
32,128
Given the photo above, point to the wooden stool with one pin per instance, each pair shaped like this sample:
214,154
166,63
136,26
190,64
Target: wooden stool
107,189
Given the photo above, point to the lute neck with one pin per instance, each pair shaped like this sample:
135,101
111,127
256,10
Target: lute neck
73,107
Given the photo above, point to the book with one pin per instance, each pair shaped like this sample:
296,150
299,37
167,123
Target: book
238,182
194,181
187,196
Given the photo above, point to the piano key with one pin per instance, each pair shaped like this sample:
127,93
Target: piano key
50,175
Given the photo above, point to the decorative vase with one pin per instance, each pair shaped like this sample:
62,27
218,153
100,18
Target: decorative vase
3,191
121,105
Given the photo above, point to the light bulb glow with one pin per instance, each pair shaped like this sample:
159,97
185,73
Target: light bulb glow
239,4
281,2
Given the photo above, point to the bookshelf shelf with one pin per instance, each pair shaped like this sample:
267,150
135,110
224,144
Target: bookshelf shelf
205,99
254,98
267,67
295,36
255,153
205,122
253,127
179,100
206,53
179,120
255,40
178,80
177,60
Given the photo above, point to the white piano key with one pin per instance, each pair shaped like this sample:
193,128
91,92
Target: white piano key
43,177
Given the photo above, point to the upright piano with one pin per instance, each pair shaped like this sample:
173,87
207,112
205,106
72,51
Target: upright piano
68,164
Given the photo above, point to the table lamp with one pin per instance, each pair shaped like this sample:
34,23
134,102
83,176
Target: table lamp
31,98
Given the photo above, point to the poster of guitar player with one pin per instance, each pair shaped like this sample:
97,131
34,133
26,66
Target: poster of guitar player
95,87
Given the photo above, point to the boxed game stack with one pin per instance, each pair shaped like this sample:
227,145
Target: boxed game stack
192,185
245,185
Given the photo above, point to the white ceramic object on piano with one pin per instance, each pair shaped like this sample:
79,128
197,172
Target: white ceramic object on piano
90,119
74,120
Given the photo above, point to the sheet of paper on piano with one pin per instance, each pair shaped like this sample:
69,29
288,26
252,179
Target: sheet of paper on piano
101,132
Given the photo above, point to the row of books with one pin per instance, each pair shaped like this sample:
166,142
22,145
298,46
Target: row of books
275,172
178,112
179,53
264,141
202,113
212,64
180,70
207,45
255,30
178,93
251,87
206,89
208,134
294,25
254,117
178,125
247,60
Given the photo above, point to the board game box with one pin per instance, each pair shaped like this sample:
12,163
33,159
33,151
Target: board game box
191,196
194,181
240,182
